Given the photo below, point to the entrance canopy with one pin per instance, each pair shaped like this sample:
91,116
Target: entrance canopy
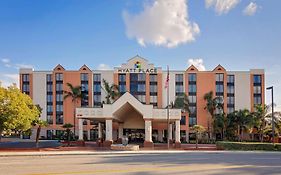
125,105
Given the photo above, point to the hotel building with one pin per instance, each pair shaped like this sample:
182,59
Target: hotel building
140,112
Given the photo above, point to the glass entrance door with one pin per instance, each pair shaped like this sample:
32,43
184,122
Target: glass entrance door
135,135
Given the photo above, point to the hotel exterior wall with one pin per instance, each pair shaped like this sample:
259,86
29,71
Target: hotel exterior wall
206,82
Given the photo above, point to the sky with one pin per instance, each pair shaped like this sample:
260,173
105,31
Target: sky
238,34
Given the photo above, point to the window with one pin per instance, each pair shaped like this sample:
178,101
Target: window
153,77
230,109
49,108
97,100
257,79
219,77
25,87
25,77
220,99
153,88
97,77
97,88
49,98
49,78
257,100
122,88
257,89
59,87
141,87
192,88
183,120
230,79
49,87
192,99
122,77
192,109
59,77
179,77
84,77
230,89
219,88
179,89
59,108
192,121
230,100
84,87
59,97
153,99
59,119
191,77
141,77
50,119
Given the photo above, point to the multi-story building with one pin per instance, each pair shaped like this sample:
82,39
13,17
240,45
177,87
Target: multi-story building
141,111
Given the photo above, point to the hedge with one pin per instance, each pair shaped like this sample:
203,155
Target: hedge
247,146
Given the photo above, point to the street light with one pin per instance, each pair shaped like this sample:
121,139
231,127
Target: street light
272,114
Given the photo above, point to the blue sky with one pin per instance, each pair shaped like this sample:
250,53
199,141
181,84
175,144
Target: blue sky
42,34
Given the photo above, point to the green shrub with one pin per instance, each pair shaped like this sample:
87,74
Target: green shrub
248,146
278,147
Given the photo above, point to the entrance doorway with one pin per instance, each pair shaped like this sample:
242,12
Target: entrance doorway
135,135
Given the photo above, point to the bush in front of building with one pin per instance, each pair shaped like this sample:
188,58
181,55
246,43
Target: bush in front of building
248,146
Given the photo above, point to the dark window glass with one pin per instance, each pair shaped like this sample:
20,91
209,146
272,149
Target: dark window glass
257,78
192,77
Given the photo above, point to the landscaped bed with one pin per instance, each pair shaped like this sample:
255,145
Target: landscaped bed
248,146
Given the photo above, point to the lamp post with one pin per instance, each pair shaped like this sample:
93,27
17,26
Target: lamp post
272,113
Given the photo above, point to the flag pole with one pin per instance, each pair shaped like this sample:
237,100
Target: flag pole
168,115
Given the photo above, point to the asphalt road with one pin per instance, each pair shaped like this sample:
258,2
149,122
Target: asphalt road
147,164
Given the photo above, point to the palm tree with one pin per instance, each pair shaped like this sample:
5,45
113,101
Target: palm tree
245,121
260,114
212,103
68,126
198,129
112,91
75,94
181,102
39,123
219,124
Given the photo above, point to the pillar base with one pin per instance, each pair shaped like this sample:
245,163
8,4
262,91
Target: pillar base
178,145
147,144
119,141
107,143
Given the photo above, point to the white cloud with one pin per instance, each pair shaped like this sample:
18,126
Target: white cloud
19,66
221,6
9,79
103,67
198,63
6,62
162,23
251,9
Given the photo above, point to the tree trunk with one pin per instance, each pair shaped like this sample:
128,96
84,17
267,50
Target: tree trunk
196,140
238,133
1,131
74,117
68,137
37,136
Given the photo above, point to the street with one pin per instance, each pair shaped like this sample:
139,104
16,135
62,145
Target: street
146,164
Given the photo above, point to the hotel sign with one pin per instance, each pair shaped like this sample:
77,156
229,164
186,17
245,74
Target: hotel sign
137,69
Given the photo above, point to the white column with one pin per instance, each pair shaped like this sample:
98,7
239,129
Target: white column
177,131
148,131
170,131
89,134
187,136
80,129
160,135
120,130
108,127
99,130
